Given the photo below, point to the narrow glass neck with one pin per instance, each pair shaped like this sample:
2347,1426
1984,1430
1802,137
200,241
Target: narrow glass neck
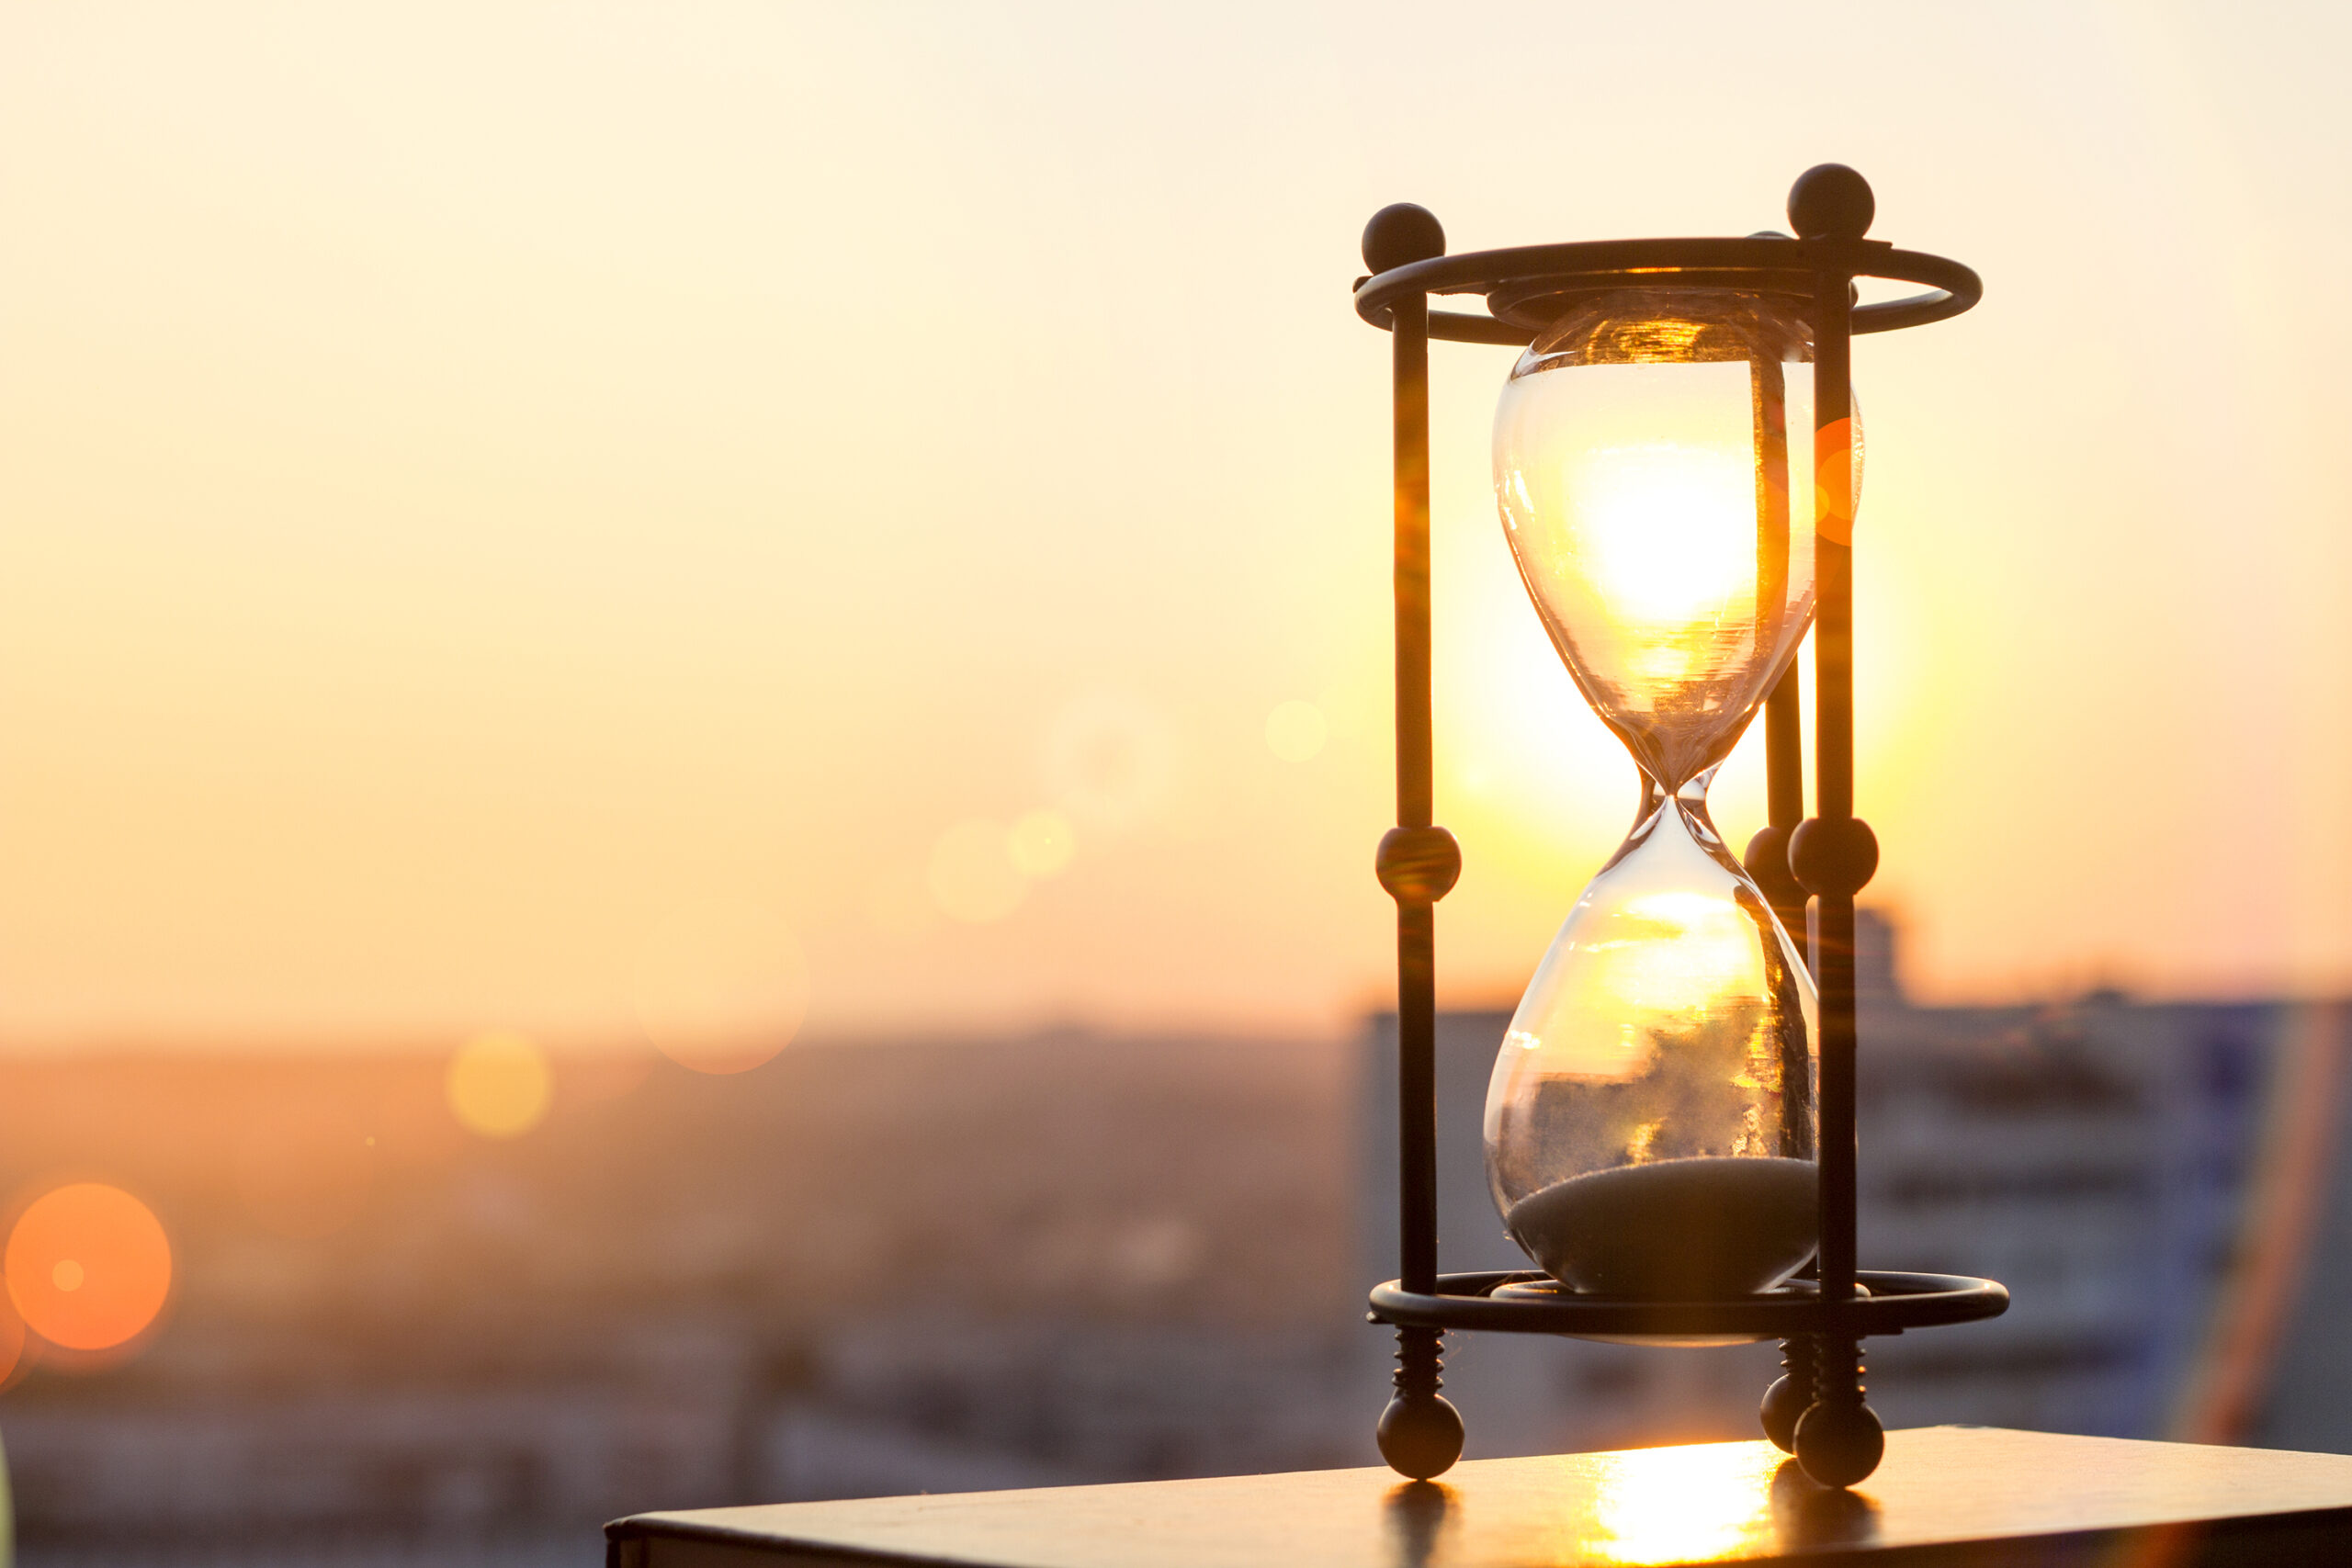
1690,794
1689,818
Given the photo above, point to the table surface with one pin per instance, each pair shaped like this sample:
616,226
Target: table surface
1945,1495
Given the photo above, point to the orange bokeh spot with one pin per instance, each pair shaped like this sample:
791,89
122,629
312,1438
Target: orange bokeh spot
88,1265
1832,484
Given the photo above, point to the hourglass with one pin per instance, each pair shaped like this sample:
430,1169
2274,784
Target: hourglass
1650,1124
1669,1128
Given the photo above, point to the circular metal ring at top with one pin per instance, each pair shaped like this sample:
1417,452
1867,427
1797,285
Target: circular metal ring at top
1897,1302
1530,286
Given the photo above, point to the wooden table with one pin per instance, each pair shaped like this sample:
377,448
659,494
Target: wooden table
1945,1495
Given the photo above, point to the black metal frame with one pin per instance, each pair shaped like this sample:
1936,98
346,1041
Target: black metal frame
1818,1411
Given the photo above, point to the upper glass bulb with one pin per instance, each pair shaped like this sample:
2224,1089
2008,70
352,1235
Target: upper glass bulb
1642,466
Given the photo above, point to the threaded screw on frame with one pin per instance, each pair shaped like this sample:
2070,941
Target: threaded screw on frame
1787,1400
1420,1362
1421,1433
1837,1370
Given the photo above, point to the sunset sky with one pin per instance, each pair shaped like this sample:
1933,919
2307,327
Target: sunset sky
529,516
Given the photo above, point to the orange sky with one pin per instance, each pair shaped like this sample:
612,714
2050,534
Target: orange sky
513,517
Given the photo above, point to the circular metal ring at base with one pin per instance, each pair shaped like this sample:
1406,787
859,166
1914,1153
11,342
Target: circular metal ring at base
1547,1288
1897,1302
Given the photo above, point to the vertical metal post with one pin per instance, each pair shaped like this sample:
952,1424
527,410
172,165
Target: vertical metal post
1767,852
1839,1441
1834,763
1421,1433
1784,798
1791,1395
1416,791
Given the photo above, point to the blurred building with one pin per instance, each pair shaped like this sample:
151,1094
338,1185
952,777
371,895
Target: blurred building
914,1266
888,1267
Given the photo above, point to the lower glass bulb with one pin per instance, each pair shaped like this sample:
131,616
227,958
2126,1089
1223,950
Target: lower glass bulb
1649,1125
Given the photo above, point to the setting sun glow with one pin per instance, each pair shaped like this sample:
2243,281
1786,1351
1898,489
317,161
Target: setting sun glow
1678,950
443,534
1669,531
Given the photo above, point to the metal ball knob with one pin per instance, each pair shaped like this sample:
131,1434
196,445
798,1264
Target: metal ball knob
1834,858
1400,234
1784,1405
1766,861
1417,865
1830,201
1840,1444
1420,1438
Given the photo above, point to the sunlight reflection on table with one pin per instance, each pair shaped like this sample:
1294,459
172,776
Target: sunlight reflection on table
1679,1506
1710,1503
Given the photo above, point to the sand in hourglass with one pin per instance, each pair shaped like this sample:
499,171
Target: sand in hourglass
1673,1229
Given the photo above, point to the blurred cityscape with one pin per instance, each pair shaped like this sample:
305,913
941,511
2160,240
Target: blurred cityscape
903,1266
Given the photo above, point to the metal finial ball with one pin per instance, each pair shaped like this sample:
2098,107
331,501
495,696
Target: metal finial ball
1417,865
1766,861
1834,857
1830,201
1420,1438
1840,1444
1402,233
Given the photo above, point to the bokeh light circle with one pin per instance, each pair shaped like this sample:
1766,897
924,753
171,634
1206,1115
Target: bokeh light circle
88,1265
719,985
1042,844
499,1085
1295,730
1109,761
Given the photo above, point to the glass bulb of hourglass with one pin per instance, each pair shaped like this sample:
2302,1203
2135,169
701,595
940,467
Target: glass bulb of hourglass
1649,1125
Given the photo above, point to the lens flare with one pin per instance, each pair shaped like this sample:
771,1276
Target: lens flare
88,1265
1296,730
1109,761
1042,844
720,985
499,1085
